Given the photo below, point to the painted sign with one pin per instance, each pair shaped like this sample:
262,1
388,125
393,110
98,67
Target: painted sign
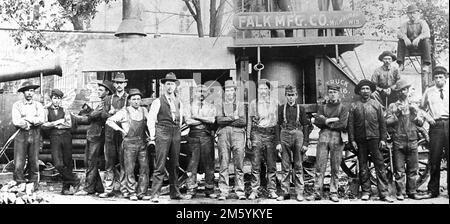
298,20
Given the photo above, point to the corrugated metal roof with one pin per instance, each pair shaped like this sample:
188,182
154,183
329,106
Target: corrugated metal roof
158,54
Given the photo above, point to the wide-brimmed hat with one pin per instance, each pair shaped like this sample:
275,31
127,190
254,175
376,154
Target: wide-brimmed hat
401,84
365,82
171,77
333,87
230,84
440,70
290,90
133,92
387,53
57,93
120,77
108,85
26,86
412,8
265,81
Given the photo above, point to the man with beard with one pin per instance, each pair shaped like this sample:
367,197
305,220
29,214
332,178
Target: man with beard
385,77
294,138
113,139
58,120
27,116
231,139
403,117
95,141
262,129
132,120
367,134
435,102
414,35
164,121
200,117
332,120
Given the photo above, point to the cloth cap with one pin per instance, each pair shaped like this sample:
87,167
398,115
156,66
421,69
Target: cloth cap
57,93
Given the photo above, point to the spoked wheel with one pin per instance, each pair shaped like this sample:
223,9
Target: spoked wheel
349,163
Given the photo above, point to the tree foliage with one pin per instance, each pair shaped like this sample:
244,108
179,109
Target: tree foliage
31,16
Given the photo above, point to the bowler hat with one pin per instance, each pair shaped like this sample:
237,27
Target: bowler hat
387,53
230,84
440,70
401,84
171,77
120,77
266,82
108,85
133,92
365,82
412,8
26,86
57,93
333,87
290,90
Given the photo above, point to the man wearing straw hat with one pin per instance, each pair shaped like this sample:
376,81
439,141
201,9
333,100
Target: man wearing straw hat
132,120
404,117
27,116
164,121
231,140
113,153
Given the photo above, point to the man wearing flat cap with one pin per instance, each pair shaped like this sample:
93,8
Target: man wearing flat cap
414,35
435,101
385,77
114,168
27,116
367,134
232,121
332,120
200,115
164,121
131,122
404,118
59,122
293,143
262,130
95,141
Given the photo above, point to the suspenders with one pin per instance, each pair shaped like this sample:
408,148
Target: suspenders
284,113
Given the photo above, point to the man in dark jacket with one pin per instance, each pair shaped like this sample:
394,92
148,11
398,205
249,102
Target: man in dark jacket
403,117
332,120
95,141
367,133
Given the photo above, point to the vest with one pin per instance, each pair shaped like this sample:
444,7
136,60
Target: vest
164,116
52,116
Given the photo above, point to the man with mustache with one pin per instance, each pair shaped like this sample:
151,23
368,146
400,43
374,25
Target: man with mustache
385,77
404,118
27,115
367,134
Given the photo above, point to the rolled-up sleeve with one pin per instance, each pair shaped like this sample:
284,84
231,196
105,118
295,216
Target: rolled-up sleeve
152,116
17,119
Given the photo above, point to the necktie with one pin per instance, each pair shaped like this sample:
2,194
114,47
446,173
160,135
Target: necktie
442,93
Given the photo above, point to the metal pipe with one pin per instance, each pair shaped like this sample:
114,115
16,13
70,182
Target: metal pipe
132,24
26,73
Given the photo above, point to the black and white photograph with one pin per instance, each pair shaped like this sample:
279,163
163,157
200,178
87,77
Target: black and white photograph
253,103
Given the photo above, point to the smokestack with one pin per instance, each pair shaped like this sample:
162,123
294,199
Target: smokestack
131,24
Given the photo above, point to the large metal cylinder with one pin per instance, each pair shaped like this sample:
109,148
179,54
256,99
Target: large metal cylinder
25,73
131,19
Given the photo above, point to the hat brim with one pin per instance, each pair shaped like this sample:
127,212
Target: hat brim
106,87
380,58
120,80
25,88
134,94
371,85
402,87
170,80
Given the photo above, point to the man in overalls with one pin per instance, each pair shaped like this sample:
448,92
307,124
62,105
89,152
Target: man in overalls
132,120
95,141
231,139
262,128
27,116
164,122
332,120
113,139
59,121
294,143
404,117
200,116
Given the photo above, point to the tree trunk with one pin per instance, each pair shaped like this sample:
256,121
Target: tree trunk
77,23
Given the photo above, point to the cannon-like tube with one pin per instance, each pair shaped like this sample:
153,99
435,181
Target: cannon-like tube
46,70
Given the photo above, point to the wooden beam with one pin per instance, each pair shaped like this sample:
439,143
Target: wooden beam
299,41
